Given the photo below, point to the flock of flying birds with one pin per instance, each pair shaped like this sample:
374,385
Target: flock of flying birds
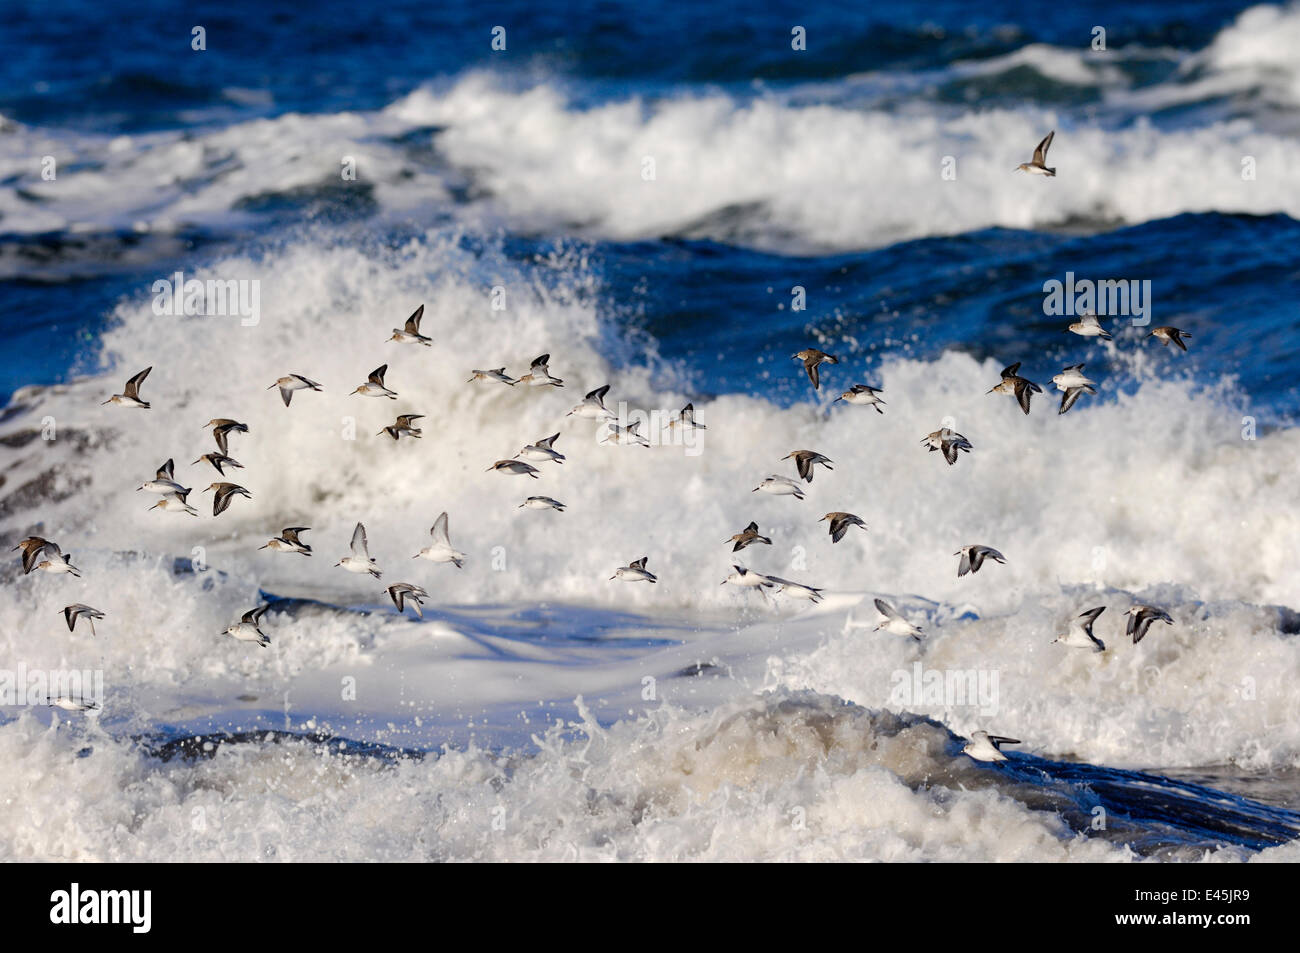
39,554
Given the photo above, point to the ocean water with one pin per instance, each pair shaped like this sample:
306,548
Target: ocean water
539,710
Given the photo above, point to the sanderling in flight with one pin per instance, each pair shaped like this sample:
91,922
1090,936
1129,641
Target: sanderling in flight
539,374
130,396
894,622
840,523
635,571
1089,326
441,551
81,611
514,468
33,547
374,385
796,590
973,556
495,374
748,579
288,541
542,503
411,333
292,382
623,436
219,460
986,747
223,493
804,460
68,703
1038,166
1020,387
685,419
163,481
780,486
1079,635
1072,383
862,395
56,561
404,427
360,560
246,629
1140,619
949,441
746,537
1165,334
176,502
812,360
593,405
221,427
542,450
403,592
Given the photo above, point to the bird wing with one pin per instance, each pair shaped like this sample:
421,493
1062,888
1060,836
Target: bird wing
359,544
1001,740
1040,154
541,364
165,471
639,564
439,530
133,385
413,322
599,393
377,375
1011,370
885,609
548,442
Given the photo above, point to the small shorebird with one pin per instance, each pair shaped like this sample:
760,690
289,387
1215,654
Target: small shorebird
223,493
895,623
33,548
949,441
1089,327
1140,619
804,460
288,541
840,523
539,374
986,747
593,405
57,562
1079,635
163,481
748,536
1013,383
972,557
623,436
1038,166
1165,334
441,551
177,502
292,382
219,460
542,450
685,419
68,703
748,579
541,503
247,628
403,592
796,590
130,396
780,486
862,395
514,468
812,359
79,611
360,560
411,333
1072,383
221,426
404,427
374,385
635,571
495,374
